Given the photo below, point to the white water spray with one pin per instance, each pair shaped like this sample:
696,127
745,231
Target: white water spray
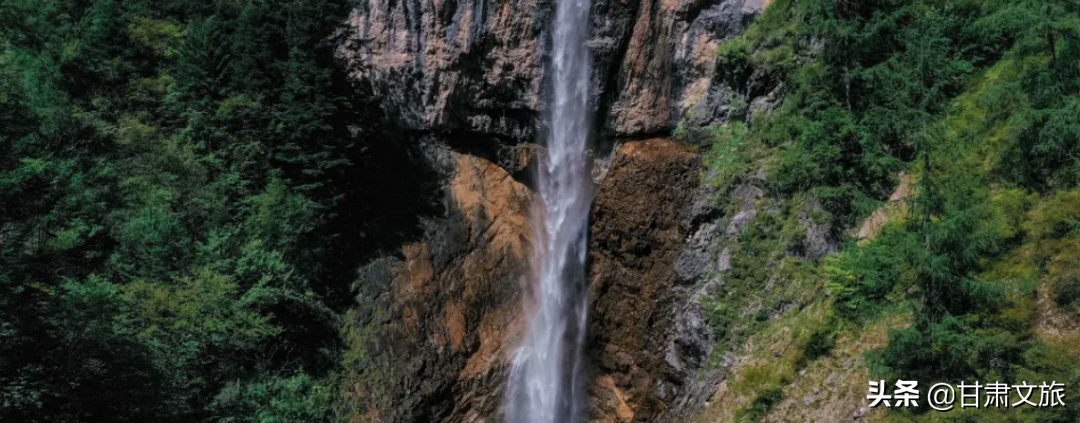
546,383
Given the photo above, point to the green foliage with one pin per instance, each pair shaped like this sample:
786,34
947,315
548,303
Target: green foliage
729,156
275,400
1067,294
937,351
863,277
203,311
82,360
976,102
820,344
767,278
766,45
761,405
170,175
862,80
1047,34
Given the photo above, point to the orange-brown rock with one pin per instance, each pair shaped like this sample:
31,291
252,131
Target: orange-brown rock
439,346
453,306
635,242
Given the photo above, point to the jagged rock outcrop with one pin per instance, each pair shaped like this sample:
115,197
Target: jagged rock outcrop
453,65
668,70
476,66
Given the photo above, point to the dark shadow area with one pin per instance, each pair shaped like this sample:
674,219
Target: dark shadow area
385,193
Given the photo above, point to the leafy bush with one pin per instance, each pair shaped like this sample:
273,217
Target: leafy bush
862,276
275,400
942,350
820,344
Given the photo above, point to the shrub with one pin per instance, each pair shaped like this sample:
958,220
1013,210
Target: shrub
1067,294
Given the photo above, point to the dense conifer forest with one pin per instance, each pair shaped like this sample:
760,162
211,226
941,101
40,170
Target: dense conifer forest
175,180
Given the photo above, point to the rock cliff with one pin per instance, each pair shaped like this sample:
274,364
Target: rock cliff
430,336
436,322
646,351
476,66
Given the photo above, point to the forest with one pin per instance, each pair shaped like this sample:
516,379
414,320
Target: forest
187,190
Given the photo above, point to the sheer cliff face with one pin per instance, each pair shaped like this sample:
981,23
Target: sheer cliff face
471,65
432,332
437,321
645,348
476,66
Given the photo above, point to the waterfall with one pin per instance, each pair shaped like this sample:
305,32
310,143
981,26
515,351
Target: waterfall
546,382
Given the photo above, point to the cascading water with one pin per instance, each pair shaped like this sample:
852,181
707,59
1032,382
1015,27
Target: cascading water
546,383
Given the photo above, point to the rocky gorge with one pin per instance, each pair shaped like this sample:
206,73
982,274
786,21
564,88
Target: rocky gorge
754,248
538,211
790,198
468,77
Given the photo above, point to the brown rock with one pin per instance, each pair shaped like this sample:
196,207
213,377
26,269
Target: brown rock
454,309
609,398
634,244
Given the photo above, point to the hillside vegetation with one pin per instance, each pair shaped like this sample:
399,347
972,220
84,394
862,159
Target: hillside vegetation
173,179
972,273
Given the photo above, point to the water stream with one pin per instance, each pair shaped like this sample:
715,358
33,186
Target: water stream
546,381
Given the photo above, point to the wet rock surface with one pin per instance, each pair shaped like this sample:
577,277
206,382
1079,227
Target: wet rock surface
446,314
443,317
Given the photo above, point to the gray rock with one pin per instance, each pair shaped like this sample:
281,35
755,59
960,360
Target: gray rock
695,260
478,66
672,359
766,104
724,265
465,65
819,240
691,265
703,209
754,7
739,222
